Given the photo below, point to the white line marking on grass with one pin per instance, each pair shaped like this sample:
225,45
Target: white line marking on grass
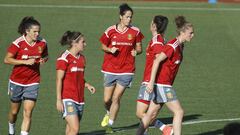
197,122
209,121
115,7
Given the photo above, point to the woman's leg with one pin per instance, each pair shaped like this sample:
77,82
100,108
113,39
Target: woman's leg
118,92
73,124
12,115
178,113
28,106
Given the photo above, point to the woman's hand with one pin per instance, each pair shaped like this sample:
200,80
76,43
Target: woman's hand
59,105
150,87
91,88
113,50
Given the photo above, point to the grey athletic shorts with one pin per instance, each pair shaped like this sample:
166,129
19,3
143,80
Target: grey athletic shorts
18,93
123,80
163,94
144,95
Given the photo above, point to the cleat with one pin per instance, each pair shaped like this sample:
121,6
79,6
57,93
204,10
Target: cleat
168,130
105,120
109,130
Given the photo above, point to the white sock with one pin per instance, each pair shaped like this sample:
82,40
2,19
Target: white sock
110,122
162,127
159,124
108,112
11,128
24,133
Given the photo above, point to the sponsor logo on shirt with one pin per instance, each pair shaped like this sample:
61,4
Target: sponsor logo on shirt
75,69
114,42
24,57
121,43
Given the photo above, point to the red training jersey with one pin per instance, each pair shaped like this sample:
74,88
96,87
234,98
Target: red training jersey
169,68
154,47
122,62
73,81
27,75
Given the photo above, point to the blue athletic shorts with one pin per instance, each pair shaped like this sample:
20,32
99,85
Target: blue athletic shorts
72,108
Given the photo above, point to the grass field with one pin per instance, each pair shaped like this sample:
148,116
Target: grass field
208,82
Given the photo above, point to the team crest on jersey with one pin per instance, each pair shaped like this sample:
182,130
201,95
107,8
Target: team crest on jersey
130,37
40,49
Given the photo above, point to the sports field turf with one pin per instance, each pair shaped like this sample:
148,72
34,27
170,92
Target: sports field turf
208,82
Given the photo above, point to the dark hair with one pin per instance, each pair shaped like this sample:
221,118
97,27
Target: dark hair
124,8
70,36
27,23
182,24
161,23
232,129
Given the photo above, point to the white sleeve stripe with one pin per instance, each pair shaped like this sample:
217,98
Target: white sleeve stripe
108,29
16,44
62,59
106,35
157,43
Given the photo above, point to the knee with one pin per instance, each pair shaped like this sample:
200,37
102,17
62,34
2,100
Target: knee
179,112
140,114
27,114
13,112
107,101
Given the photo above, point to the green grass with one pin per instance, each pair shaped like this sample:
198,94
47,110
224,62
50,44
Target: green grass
207,83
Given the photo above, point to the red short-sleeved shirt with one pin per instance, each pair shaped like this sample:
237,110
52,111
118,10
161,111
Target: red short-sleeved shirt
169,68
73,81
122,62
27,75
154,47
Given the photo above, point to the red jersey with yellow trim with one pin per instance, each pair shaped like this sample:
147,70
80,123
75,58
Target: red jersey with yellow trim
73,81
122,62
27,75
174,51
154,47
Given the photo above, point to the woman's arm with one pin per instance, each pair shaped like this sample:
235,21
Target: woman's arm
9,59
59,79
109,50
90,88
159,58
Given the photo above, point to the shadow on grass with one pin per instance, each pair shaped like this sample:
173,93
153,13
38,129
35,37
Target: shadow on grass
215,132
167,120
